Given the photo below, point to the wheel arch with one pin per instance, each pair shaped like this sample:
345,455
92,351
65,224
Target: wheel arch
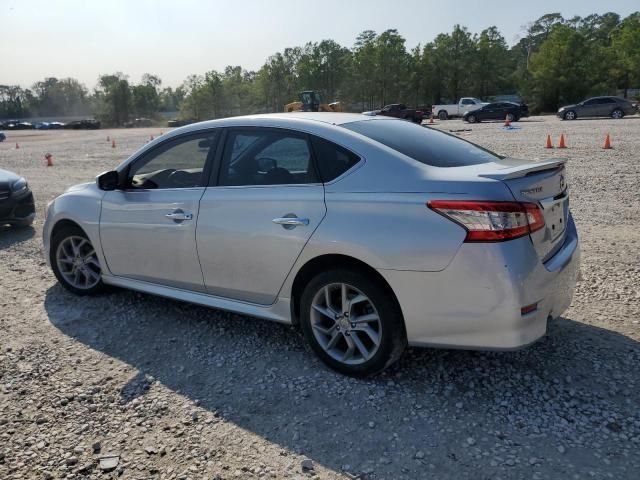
326,262
65,223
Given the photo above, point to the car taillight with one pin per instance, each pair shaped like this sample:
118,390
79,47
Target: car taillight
491,221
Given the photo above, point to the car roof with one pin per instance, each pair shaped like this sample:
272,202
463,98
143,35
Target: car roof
284,120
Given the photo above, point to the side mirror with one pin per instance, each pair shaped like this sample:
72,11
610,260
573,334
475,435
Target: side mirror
107,180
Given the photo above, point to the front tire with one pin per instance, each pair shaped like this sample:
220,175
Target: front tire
74,262
511,117
472,119
352,322
570,115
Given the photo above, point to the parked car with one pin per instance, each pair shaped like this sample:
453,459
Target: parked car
465,104
614,107
3,137
55,125
179,123
16,200
139,122
371,233
17,125
399,110
497,111
82,125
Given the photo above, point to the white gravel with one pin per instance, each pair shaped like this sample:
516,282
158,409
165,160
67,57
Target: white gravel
134,386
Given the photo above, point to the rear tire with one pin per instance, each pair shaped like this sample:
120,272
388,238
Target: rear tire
74,262
443,115
511,117
617,114
352,322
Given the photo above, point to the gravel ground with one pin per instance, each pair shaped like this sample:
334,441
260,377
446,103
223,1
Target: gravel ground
130,385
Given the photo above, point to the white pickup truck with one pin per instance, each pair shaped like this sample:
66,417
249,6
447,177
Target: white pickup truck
465,104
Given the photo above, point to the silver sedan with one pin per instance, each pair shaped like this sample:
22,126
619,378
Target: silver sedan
370,233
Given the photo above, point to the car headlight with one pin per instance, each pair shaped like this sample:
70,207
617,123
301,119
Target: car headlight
561,109
19,185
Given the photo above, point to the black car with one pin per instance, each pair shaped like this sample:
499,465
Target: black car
82,125
614,107
17,125
497,111
16,200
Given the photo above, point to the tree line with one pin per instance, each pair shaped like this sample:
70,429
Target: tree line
556,61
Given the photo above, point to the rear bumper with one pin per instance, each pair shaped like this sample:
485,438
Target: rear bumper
476,301
18,209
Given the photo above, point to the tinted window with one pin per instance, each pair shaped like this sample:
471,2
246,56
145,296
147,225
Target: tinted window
266,157
176,164
332,160
426,145
593,101
607,100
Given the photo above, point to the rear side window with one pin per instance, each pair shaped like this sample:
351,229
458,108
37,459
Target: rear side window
426,145
332,160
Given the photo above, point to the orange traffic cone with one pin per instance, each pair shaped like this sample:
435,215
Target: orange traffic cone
607,143
17,146
108,139
49,158
113,143
507,122
562,144
549,144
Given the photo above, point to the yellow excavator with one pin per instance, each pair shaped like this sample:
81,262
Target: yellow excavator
311,101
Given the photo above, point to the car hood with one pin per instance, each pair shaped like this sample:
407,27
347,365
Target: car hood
8,177
569,106
79,187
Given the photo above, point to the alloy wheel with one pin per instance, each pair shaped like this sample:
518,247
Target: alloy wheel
78,263
570,115
345,323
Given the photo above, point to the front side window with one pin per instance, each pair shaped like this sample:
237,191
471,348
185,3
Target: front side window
177,164
593,101
266,157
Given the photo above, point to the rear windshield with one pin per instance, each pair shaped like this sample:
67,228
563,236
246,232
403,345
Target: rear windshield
426,145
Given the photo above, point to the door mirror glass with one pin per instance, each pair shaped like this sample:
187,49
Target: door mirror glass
107,180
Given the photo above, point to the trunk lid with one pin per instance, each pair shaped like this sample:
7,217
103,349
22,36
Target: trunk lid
543,183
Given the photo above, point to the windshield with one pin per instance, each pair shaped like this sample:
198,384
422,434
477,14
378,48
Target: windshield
426,145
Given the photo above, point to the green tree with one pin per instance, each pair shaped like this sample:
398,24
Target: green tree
625,45
113,97
560,68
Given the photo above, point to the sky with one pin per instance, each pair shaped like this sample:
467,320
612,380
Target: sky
173,39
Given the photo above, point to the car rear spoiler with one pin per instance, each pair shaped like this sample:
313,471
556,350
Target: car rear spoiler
517,171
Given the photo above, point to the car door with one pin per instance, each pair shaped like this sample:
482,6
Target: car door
605,107
148,228
589,108
255,221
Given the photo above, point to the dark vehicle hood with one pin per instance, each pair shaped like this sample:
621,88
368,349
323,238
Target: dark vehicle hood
569,106
6,179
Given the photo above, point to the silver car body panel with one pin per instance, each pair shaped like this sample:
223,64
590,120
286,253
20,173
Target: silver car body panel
451,293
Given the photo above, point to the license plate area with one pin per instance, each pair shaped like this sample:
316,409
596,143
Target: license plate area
555,216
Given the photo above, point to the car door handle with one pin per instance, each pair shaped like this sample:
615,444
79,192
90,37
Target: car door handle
291,222
179,216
